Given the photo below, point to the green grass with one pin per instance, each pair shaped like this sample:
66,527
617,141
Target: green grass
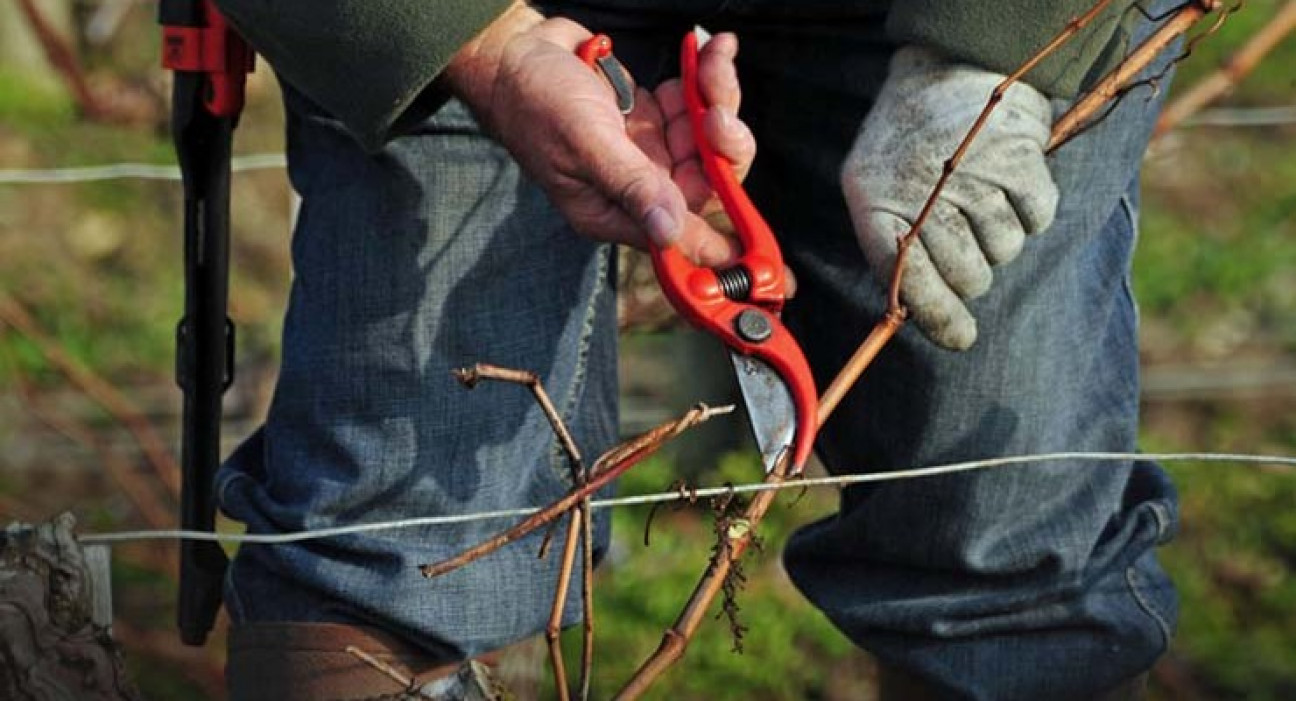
789,648
29,107
1235,566
1216,251
1269,80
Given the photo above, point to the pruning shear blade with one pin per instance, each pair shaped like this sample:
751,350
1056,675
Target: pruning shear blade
769,407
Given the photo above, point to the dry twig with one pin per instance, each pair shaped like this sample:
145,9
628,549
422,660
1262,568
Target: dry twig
1237,67
581,526
62,58
471,376
732,543
107,396
1115,83
587,600
554,628
146,502
118,103
157,514
381,667
606,469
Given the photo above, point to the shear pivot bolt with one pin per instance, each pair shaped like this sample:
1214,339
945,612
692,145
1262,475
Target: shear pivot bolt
753,326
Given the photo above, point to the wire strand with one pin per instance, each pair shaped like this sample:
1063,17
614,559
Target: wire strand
123,171
1218,117
835,481
1243,117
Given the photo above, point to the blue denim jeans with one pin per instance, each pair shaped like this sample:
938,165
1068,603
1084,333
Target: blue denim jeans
430,256
1006,584
1021,583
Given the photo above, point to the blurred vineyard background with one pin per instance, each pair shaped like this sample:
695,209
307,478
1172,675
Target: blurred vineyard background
90,285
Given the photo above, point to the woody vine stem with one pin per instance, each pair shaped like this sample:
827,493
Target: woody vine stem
738,532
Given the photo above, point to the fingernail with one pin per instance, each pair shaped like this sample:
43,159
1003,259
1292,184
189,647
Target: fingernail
663,228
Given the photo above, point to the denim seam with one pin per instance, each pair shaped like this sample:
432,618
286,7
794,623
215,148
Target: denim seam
557,453
1131,575
233,603
223,486
1162,519
1127,283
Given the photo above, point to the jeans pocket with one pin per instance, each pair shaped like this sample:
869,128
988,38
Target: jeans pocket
578,414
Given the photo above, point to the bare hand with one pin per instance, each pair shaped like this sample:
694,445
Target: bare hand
718,80
609,175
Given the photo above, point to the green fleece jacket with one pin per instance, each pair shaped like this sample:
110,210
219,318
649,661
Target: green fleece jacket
373,63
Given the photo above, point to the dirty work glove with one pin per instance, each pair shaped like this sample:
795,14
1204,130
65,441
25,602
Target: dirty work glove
1000,193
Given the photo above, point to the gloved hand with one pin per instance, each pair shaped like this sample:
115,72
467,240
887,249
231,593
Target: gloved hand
1001,192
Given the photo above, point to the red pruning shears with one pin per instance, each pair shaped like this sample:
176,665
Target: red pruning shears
740,304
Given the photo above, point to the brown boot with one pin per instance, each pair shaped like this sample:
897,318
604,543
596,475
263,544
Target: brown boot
310,662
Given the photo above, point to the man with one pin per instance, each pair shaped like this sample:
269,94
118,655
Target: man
434,234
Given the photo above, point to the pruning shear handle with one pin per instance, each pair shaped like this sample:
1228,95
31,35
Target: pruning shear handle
739,304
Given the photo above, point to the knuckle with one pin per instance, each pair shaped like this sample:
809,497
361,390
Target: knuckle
635,193
1003,248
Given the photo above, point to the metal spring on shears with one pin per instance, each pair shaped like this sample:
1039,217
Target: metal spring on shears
735,282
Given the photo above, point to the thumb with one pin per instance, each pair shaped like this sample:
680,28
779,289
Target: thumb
642,190
622,171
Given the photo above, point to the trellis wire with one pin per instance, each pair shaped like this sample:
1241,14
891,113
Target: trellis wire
686,494
1244,117
125,171
1219,117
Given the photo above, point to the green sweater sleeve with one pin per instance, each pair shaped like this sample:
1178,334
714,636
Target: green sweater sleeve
367,62
1002,35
